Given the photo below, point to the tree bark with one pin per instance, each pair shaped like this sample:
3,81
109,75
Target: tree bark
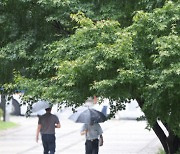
161,135
3,106
171,144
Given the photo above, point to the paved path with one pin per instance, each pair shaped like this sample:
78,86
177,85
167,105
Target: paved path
120,137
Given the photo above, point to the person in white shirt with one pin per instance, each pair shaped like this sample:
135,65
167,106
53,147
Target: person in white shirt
92,133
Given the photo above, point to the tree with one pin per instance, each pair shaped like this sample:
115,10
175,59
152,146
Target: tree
100,54
26,25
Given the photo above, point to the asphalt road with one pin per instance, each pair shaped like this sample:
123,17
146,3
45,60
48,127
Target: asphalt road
120,137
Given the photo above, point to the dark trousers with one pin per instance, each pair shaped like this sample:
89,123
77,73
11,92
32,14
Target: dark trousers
92,147
49,145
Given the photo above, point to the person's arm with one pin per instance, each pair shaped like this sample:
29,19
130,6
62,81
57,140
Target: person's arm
100,131
57,122
37,132
84,130
101,137
101,140
58,125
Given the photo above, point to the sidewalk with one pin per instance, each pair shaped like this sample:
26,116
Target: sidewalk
120,137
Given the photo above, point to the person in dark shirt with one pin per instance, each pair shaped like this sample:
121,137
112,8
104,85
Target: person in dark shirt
46,126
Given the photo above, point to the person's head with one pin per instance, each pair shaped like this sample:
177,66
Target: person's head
48,109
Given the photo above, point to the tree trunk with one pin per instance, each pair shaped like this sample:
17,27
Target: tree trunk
171,144
3,106
161,135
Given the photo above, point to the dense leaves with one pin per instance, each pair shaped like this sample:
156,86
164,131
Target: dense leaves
66,51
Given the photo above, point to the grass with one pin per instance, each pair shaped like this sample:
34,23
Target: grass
7,125
161,151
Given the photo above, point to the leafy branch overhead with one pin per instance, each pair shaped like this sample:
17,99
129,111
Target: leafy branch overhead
66,51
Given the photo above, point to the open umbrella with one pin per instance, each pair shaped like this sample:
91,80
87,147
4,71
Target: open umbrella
40,105
88,116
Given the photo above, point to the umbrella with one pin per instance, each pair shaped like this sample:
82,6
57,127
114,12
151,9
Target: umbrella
88,116
40,105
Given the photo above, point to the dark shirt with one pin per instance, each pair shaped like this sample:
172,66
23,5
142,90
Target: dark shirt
47,122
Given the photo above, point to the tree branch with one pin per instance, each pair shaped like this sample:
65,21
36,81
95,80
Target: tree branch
60,28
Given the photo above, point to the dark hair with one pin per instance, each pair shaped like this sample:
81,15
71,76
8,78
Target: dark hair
48,109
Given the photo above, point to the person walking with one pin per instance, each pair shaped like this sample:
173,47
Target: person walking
46,126
93,132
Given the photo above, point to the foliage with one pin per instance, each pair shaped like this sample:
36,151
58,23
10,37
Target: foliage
66,51
27,25
160,47
105,60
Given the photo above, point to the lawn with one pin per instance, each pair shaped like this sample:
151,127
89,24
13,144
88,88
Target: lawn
6,125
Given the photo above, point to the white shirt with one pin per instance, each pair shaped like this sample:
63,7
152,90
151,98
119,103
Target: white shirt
93,131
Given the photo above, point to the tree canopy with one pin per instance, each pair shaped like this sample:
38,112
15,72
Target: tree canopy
66,51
